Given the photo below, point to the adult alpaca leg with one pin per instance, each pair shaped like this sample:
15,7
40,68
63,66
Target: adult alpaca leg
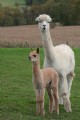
65,95
60,100
60,92
69,81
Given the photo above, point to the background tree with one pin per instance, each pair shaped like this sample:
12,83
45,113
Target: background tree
66,12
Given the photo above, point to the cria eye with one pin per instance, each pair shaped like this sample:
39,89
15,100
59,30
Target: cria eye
34,55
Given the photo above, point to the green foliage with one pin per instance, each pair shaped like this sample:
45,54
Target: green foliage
11,2
67,12
17,97
11,16
39,1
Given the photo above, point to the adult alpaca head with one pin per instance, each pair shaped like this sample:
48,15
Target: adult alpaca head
44,21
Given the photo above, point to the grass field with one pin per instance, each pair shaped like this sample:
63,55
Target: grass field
17,97
11,2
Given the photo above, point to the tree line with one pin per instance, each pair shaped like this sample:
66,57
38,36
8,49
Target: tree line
66,12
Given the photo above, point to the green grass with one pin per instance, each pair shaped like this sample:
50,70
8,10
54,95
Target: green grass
11,2
17,97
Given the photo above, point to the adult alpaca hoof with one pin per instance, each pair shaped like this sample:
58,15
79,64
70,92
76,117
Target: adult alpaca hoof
68,109
67,106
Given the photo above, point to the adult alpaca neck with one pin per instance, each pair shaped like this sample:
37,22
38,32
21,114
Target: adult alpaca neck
47,42
46,38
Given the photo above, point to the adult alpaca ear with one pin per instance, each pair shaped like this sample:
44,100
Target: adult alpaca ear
37,19
49,19
37,50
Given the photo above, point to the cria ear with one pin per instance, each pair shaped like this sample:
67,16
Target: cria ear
37,50
31,49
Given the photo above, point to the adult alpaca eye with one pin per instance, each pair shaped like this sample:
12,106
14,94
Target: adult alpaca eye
39,21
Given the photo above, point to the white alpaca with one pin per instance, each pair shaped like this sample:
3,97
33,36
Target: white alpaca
61,58
44,79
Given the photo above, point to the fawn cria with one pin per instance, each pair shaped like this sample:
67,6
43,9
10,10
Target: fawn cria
46,78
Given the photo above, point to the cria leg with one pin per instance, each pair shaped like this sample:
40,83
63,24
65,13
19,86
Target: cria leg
42,111
40,102
37,102
51,102
55,94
